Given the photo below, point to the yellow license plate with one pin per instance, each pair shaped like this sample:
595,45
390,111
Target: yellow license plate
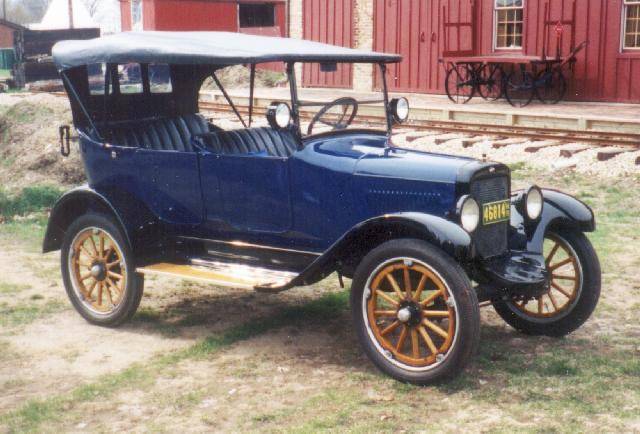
495,212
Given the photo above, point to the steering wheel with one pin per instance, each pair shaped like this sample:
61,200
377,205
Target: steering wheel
340,123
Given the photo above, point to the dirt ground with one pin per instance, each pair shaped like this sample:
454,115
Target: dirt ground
197,358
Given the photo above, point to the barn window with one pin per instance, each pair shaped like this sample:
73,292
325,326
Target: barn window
257,14
136,14
631,37
509,23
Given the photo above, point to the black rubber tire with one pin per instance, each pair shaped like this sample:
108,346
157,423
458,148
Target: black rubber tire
493,89
135,281
581,310
459,285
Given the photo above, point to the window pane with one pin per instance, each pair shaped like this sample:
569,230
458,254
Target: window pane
632,26
160,78
96,75
130,77
257,15
509,27
509,3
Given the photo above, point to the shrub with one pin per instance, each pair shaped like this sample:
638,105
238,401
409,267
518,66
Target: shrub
30,199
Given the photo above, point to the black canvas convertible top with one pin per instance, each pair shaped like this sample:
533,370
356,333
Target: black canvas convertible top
217,48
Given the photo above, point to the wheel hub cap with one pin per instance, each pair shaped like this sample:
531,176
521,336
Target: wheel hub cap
98,271
404,314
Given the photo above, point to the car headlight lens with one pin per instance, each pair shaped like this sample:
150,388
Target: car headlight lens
534,202
279,115
469,213
399,109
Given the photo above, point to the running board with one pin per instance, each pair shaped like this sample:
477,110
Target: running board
225,274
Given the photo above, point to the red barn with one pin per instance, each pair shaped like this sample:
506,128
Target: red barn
7,29
607,70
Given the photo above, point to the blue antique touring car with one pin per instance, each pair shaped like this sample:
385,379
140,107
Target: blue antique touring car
272,207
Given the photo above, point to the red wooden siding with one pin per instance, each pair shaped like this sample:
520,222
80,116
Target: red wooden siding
413,28
329,21
602,72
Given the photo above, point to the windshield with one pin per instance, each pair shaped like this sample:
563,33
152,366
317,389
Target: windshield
233,103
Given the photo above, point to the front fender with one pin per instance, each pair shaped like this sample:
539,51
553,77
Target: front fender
132,217
361,238
560,210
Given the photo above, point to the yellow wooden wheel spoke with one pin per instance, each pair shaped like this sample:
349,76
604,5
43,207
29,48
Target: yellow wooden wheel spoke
420,288
91,288
402,338
407,282
99,298
427,301
560,264
394,325
388,298
552,253
101,237
553,300
392,313
395,286
114,275
540,304
436,313
560,289
435,328
562,277
415,345
427,340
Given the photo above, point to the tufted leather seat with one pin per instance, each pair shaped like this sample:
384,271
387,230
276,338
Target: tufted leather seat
252,141
175,134
169,134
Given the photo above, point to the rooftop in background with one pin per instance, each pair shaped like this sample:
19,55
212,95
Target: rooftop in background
216,48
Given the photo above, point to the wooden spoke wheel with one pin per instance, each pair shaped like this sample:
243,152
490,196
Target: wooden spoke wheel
566,281
98,271
572,293
411,313
415,311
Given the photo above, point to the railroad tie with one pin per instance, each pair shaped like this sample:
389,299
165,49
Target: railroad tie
608,154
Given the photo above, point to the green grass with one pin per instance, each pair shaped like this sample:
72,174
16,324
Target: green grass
36,413
5,73
11,288
29,200
23,314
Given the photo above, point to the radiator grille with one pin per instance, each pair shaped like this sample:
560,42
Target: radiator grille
491,240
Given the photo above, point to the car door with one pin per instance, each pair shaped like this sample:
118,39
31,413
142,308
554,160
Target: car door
248,193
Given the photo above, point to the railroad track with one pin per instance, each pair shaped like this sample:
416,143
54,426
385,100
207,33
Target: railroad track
609,139
625,140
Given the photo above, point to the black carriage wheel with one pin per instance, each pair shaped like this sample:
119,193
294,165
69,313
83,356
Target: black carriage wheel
459,84
490,85
551,86
519,88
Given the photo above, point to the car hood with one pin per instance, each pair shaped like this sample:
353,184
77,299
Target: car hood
411,165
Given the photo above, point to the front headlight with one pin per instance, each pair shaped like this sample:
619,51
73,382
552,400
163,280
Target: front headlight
533,202
399,109
279,115
469,213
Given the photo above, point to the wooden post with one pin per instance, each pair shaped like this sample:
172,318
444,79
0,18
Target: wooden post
71,14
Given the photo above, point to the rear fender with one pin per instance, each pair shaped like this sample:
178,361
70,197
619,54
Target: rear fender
560,211
133,218
359,240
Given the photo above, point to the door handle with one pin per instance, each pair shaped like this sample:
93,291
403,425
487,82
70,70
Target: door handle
65,138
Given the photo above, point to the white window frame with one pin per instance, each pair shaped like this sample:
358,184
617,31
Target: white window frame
497,8
137,26
623,26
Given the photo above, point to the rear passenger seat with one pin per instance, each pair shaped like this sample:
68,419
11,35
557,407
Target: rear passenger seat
175,134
